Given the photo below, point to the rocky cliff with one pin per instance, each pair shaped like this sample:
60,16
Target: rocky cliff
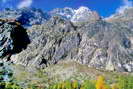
13,38
98,43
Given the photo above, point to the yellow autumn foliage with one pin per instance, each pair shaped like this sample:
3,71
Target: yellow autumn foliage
100,84
123,83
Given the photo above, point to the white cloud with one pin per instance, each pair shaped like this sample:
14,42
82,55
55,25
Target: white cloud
126,4
25,3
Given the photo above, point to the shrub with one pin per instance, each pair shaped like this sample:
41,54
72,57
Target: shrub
100,84
9,85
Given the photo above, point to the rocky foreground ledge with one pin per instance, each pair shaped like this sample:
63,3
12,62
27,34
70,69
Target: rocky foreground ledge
99,43
13,38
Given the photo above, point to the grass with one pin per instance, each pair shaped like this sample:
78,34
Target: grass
69,75
124,82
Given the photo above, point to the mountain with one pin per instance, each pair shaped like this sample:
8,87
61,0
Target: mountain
26,16
32,16
127,15
99,43
82,14
66,13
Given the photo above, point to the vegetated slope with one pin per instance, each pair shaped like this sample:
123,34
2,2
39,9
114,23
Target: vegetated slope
95,42
69,71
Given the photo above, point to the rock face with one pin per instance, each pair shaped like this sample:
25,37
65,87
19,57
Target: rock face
50,43
100,44
13,38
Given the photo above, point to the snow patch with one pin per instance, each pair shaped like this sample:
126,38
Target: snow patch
84,14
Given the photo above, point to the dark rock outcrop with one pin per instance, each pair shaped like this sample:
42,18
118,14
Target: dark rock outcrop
13,38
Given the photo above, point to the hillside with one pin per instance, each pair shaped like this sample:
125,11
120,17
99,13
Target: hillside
97,43
66,44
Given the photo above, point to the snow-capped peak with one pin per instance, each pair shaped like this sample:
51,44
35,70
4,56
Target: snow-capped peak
84,14
82,9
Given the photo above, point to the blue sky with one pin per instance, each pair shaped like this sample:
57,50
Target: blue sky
103,7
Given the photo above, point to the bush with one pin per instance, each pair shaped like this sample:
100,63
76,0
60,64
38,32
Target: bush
100,84
9,85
